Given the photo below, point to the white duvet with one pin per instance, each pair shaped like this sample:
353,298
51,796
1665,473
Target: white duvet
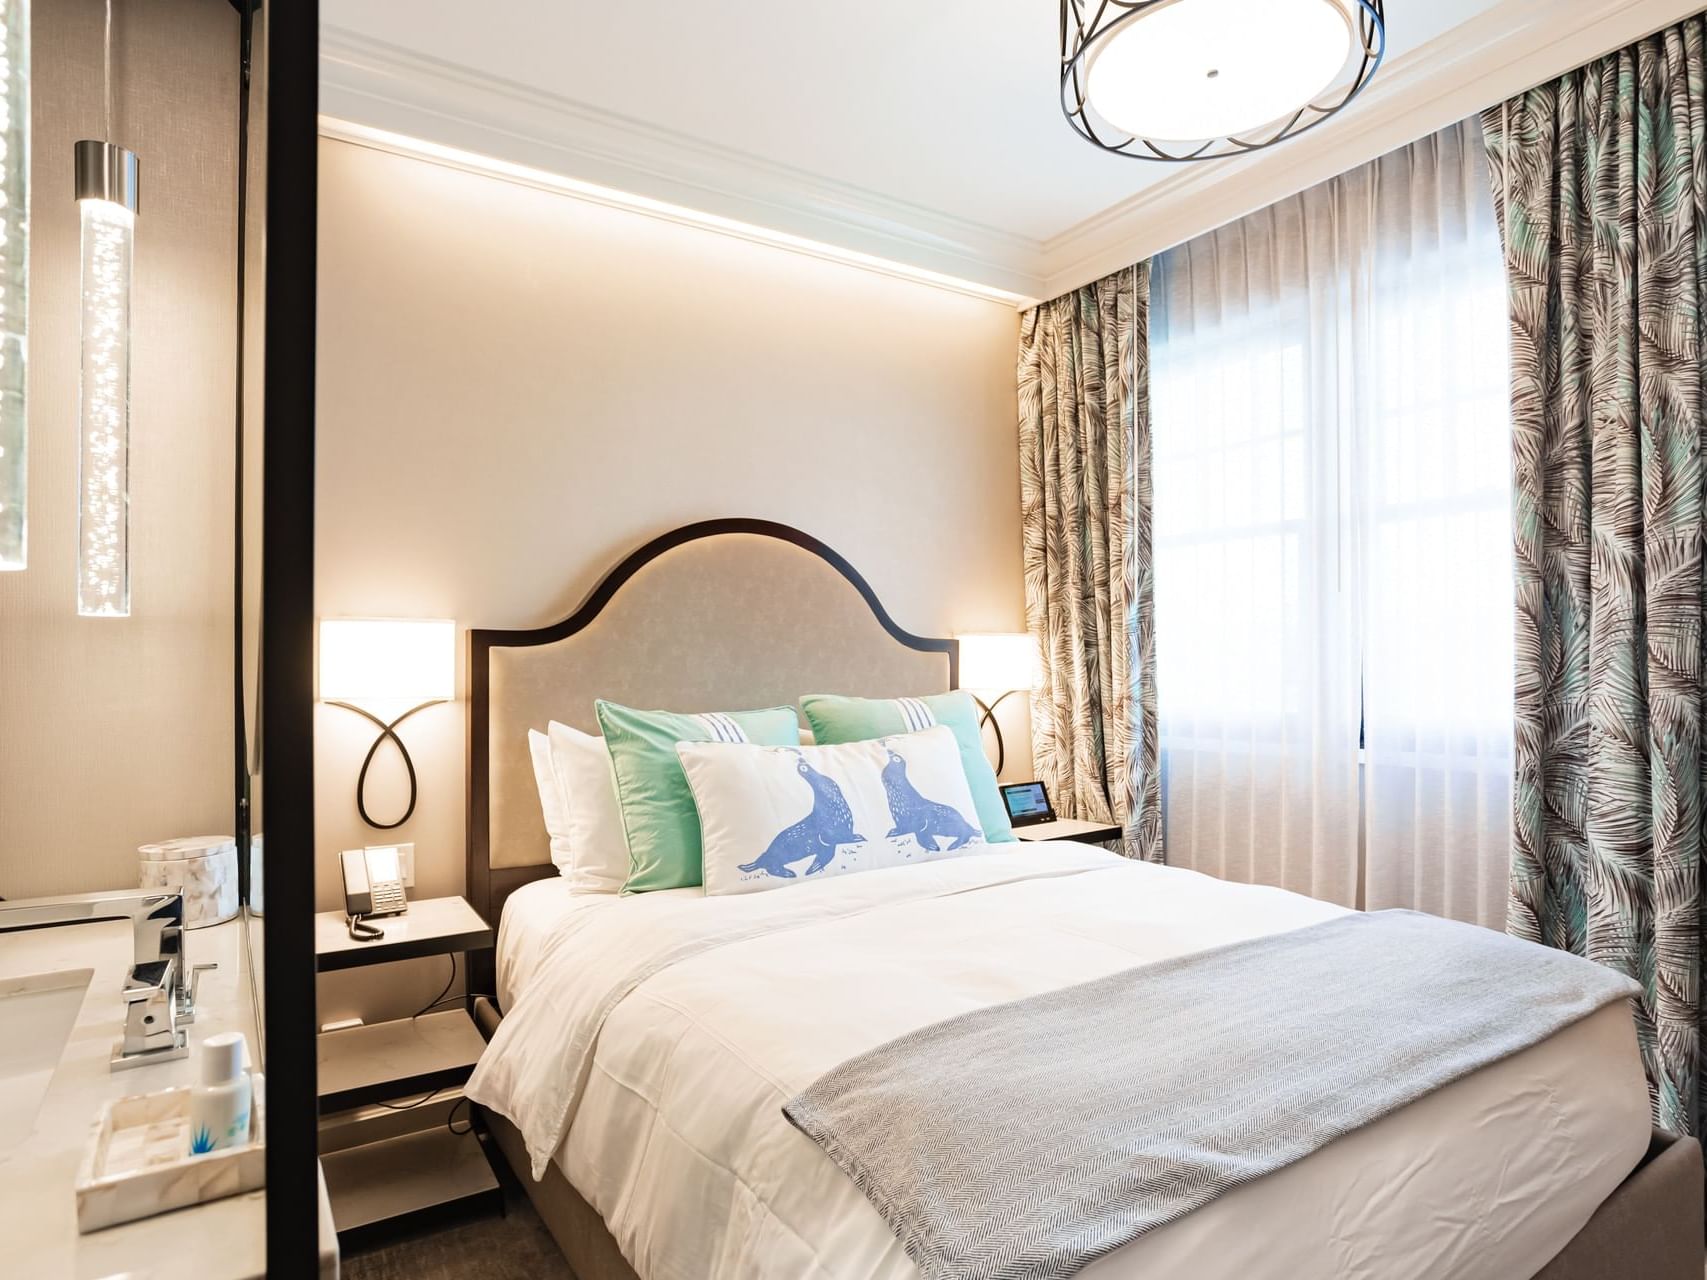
650,1042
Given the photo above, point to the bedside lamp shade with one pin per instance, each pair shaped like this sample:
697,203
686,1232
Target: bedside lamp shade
999,663
387,661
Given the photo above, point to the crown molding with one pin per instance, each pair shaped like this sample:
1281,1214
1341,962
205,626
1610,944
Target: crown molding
504,171
380,91
1486,60
377,94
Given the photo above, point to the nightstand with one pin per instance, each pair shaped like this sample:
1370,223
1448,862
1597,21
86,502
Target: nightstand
431,927
1075,829
372,1076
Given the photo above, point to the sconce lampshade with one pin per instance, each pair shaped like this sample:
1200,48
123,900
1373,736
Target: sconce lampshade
999,663
387,661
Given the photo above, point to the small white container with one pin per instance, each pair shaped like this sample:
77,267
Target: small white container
219,1105
203,868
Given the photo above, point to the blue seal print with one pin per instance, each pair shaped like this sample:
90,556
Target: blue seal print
923,819
817,836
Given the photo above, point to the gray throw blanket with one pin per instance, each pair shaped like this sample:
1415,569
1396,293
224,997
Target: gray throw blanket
1029,1139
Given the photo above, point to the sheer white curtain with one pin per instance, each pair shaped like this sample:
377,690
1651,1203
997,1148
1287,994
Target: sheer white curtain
1332,531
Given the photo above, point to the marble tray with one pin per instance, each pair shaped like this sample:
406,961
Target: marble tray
137,1163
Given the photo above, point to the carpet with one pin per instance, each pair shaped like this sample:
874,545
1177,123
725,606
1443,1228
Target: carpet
516,1245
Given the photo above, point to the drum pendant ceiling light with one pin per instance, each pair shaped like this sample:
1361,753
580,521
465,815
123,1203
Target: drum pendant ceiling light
1183,80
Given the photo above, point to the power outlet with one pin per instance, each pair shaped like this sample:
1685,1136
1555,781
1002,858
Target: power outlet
406,864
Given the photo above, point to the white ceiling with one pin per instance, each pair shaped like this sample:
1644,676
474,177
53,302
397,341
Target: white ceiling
926,131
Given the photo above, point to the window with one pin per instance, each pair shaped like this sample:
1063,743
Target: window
1331,434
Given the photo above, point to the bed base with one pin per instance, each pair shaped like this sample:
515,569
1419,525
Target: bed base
1651,1227
573,1223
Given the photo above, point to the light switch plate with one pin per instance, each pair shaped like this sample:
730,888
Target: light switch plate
406,863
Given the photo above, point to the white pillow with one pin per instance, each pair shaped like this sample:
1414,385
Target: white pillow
550,798
772,816
597,847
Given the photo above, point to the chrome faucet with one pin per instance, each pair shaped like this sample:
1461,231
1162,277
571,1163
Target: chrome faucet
160,988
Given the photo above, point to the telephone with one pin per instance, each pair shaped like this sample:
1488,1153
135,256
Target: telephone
373,886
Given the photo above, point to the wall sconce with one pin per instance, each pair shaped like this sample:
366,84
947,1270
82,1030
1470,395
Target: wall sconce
1001,666
385,670
106,184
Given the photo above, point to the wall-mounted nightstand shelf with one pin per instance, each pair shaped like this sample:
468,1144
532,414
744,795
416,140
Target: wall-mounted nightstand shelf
1074,829
380,1186
432,1177
396,1059
431,927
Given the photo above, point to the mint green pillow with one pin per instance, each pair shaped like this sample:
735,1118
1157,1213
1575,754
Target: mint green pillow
835,719
658,814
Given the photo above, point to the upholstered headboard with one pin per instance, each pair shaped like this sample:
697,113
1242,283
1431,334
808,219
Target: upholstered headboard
723,615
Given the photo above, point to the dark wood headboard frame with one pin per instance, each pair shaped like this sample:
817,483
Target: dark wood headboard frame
489,887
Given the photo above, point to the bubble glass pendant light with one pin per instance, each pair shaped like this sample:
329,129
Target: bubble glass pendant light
106,186
14,279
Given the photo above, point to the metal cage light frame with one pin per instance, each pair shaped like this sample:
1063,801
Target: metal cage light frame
1088,24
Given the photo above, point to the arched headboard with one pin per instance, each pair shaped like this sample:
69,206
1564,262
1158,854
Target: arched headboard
722,615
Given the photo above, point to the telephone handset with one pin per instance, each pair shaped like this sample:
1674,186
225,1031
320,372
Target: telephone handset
373,886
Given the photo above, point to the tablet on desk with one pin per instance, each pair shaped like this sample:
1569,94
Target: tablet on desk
1028,803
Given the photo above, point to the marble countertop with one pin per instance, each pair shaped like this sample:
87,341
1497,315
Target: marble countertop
222,1240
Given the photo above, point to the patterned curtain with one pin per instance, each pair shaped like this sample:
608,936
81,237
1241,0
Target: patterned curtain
1084,426
1600,179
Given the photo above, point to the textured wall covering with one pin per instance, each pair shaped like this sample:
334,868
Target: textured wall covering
1601,183
1084,431
114,732
518,388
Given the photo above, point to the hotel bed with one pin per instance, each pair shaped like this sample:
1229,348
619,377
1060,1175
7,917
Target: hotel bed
662,1149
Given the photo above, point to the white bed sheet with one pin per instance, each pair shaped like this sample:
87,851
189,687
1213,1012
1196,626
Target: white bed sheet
537,913
679,1142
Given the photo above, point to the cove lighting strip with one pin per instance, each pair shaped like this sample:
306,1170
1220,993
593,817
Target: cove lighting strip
486,166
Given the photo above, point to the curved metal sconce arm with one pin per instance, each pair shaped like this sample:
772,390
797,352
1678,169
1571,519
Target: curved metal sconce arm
989,718
386,730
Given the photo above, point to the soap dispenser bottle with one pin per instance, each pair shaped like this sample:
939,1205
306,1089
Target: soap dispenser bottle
219,1104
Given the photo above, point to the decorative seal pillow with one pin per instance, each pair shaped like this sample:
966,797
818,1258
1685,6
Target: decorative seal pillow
774,816
657,809
838,719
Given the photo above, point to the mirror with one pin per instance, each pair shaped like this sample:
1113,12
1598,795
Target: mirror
130,609
118,731
251,436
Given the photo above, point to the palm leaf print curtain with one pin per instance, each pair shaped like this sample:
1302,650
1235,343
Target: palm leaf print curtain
1084,425
1600,180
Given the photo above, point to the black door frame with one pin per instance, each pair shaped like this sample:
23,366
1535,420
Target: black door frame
287,637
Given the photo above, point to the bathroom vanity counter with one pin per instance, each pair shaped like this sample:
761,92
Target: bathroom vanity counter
221,1240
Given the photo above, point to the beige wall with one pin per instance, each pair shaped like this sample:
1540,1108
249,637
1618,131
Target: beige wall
115,732
517,387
